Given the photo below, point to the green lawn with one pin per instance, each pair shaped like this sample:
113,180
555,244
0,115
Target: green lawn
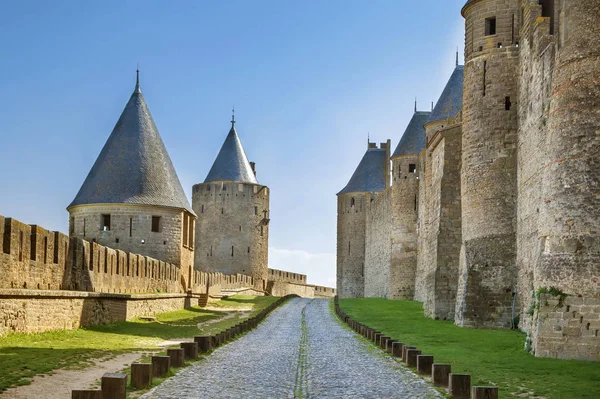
492,357
26,355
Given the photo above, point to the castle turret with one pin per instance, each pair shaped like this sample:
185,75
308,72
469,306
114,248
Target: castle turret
368,179
440,216
487,275
232,233
405,190
569,225
132,199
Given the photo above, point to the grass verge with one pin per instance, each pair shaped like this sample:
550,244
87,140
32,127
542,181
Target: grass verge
492,357
23,356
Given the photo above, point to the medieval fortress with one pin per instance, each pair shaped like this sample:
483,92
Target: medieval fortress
135,245
490,215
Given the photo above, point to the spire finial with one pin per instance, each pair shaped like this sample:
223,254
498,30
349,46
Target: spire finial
137,79
457,56
415,104
368,138
232,116
432,106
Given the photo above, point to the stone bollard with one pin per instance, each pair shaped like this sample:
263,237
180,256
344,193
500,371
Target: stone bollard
411,357
204,343
440,374
388,345
424,364
397,349
86,394
177,356
383,341
459,386
114,386
141,375
404,349
484,393
190,349
160,365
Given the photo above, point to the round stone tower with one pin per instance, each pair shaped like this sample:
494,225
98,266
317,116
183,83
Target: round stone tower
132,199
487,270
405,189
570,207
232,233
370,177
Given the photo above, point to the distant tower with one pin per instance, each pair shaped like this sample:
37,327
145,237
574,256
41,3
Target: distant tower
405,189
441,216
370,177
132,199
232,234
487,276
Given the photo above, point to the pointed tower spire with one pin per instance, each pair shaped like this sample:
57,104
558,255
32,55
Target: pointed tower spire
137,81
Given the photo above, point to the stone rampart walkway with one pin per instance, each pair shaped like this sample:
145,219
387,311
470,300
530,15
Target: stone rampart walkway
299,351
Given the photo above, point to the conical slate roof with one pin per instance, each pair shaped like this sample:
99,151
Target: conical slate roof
133,166
413,140
231,163
450,102
369,176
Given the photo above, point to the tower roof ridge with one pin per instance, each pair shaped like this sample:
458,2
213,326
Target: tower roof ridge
134,166
231,163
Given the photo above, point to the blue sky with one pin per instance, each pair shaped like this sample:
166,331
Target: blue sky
309,81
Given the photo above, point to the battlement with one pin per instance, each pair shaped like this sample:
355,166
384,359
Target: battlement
230,190
35,258
288,277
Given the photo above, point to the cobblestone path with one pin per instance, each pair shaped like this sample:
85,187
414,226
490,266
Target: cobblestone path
299,351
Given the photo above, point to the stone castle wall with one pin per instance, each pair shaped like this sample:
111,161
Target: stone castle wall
287,277
508,192
131,229
378,248
351,235
232,229
403,229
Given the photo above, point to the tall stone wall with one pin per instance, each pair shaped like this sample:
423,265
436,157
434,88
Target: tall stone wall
422,226
487,276
130,229
569,224
537,52
351,235
443,235
378,245
232,231
405,198
288,277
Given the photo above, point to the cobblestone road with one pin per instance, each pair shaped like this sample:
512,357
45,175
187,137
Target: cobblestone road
299,351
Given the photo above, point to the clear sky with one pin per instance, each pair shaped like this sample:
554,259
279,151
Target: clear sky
309,81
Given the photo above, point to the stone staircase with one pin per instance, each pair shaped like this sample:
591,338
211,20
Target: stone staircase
203,300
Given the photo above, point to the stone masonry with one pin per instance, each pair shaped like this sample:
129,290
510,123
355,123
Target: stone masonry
507,187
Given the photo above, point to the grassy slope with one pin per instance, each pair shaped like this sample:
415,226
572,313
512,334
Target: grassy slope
491,357
26,355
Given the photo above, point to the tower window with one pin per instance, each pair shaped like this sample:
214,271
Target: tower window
106,222
255,210
202,210
232,250
490,26
130,227
548,11
412,168
507,103
352,203
222,210
155,223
